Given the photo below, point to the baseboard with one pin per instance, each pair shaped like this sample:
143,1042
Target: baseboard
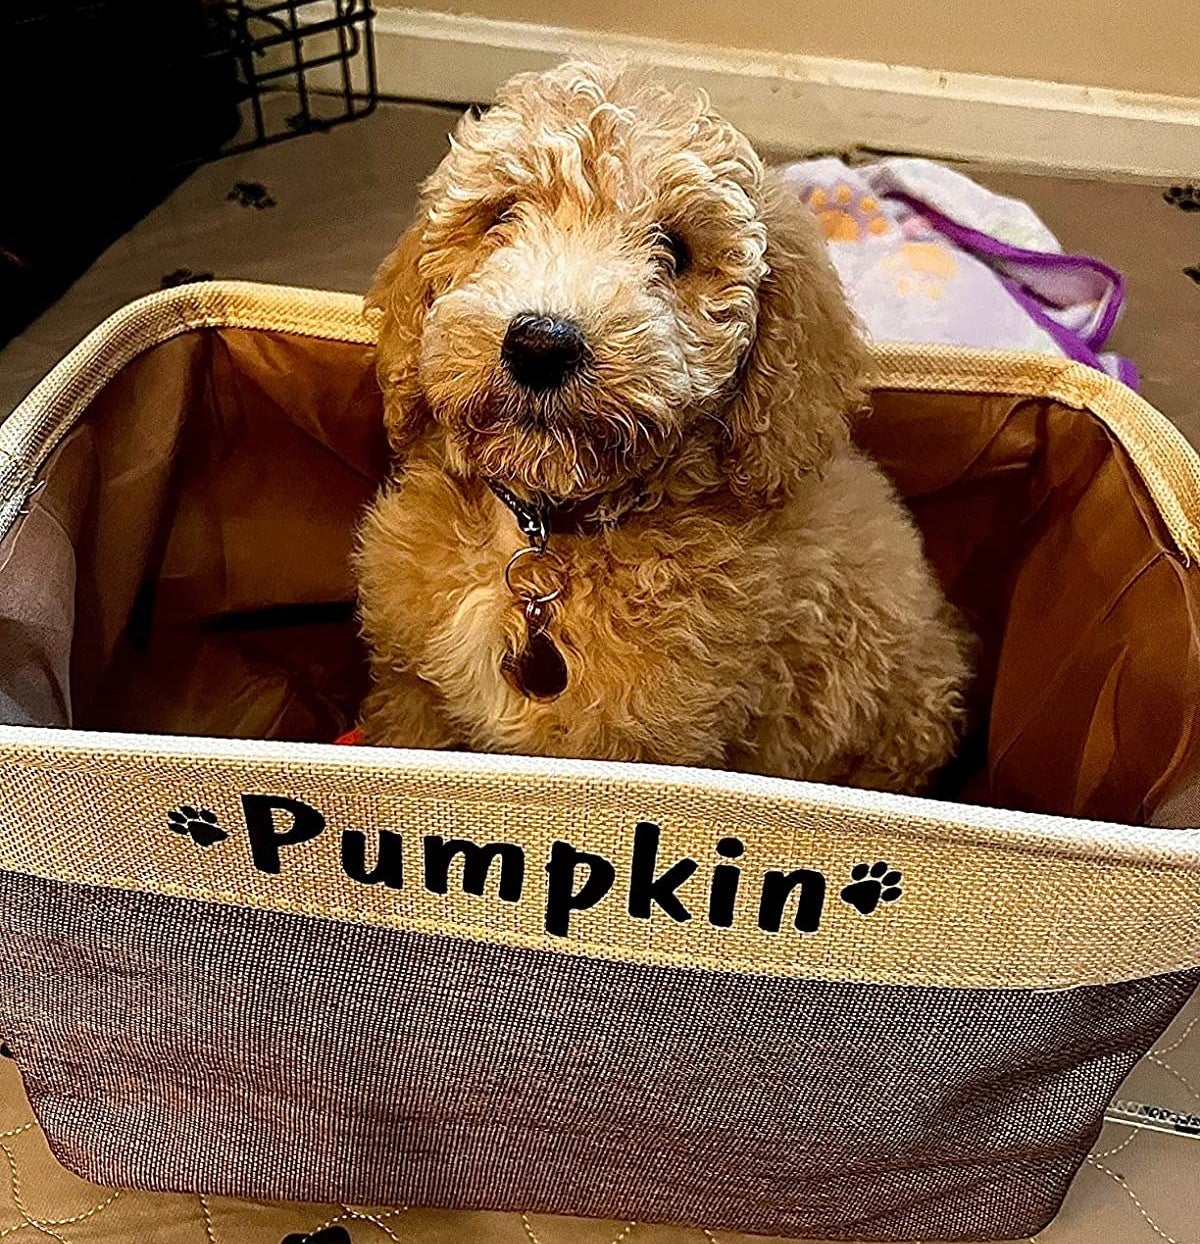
805,104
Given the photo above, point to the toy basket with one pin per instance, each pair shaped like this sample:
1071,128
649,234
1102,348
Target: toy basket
234,959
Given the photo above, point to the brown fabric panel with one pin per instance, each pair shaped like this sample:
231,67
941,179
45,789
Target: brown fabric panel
82,553
231,481
275,465
37,626
135,425
213,1048
249,630
214,596
1043,534
37,590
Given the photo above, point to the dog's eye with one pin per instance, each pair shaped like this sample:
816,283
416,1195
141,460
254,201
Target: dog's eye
499,214
676,251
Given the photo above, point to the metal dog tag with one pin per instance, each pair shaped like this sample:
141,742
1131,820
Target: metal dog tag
538,670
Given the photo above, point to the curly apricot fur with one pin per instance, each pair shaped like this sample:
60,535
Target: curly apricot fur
766,604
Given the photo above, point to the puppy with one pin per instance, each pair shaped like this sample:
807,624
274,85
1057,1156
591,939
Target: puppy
626,520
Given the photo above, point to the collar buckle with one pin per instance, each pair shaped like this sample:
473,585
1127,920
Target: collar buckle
532,517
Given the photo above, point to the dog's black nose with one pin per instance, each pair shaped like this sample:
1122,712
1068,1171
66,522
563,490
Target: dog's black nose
542,351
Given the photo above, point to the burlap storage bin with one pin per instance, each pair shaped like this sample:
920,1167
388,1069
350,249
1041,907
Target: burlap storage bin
250,963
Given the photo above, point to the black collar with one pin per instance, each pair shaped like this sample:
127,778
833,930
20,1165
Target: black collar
544,516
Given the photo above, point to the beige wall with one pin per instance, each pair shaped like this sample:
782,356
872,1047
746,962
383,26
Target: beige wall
1132,45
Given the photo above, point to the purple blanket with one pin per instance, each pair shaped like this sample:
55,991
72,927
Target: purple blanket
927,255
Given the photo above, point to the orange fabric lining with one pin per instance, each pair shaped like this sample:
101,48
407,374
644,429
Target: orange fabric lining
211,493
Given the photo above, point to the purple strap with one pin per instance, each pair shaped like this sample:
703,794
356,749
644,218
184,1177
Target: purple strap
1080,348
1128,374
1072,344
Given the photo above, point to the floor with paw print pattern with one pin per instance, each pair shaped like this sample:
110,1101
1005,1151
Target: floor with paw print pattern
321,211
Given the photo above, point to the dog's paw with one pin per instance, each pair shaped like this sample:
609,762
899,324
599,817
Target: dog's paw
199,824
872,884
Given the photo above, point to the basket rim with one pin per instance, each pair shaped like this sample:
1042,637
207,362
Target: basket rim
1116,842
1048,902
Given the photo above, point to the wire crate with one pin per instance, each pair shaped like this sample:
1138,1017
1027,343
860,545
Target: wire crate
302,65
113,102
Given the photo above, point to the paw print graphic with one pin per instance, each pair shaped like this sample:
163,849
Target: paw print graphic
1186,198
300,122
921,269
199,824
872,884
847,217
251,194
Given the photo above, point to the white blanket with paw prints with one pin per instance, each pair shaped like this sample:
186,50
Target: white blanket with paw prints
927,255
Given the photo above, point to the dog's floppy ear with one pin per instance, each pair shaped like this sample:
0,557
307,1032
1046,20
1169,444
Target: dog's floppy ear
399,299
804,374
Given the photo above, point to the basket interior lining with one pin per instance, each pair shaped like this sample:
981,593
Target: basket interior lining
184,569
